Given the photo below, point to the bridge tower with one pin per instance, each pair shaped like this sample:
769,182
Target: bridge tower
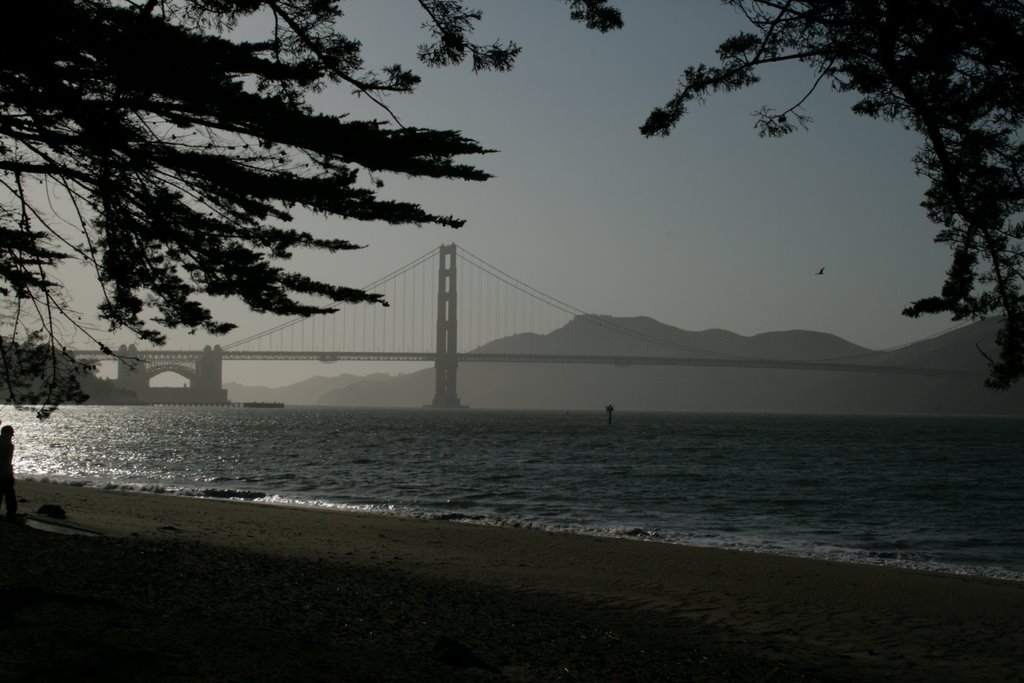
446,359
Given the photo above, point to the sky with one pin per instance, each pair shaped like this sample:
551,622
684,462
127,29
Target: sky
712,227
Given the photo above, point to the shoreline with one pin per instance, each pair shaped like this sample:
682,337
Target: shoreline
840,556
663,607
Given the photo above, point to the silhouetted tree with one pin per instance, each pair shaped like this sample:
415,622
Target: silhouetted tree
147,140
951,70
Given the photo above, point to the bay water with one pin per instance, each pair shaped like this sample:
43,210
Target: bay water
943,493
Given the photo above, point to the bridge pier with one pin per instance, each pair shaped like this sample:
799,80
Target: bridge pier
131,374
446,360
209,376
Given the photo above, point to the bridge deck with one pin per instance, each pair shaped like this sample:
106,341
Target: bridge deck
165,356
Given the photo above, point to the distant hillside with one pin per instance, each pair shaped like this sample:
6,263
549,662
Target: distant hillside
405,391
578,386
306,392
959,350
603,335
103,392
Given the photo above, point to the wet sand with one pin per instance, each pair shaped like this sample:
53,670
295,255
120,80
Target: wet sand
195,589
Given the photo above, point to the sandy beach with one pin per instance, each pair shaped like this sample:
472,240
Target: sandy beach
177,588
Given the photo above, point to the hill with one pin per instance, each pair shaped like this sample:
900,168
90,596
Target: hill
306,392
605,335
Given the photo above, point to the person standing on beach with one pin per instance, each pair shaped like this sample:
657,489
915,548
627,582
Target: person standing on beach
7,472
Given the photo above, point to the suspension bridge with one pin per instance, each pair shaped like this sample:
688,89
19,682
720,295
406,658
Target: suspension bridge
447,307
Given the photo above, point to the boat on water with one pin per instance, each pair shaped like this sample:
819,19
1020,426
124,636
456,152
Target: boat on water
262,404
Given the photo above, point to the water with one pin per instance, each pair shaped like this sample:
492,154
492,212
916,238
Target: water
930,492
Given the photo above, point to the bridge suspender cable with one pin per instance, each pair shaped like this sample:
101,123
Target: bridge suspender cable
601,321
376,284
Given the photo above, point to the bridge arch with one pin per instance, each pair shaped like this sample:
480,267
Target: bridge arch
153,371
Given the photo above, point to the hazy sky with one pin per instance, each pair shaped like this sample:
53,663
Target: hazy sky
712,227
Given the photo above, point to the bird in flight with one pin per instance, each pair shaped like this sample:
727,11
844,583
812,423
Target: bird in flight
821,272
